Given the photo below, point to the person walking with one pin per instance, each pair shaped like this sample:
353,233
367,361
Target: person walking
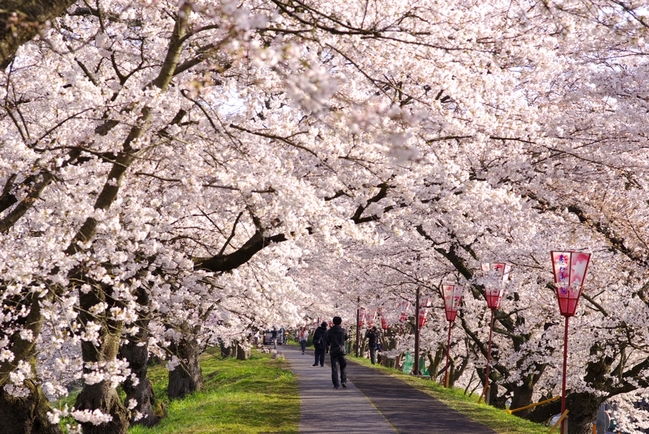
336,337
273,335
372,335
302,337
320,344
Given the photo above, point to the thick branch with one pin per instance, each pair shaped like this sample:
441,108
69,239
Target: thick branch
21,20
222,263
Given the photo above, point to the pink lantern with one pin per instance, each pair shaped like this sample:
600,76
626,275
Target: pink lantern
384,321
423,313
362,317
422,317
496,273
371,320
569,270
452,300
405,306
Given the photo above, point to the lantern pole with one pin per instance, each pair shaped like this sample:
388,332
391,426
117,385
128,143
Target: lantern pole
448,353
493,296
487,384
415,369
452,299
564,422
358,325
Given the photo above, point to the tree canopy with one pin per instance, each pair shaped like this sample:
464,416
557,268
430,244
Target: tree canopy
205,169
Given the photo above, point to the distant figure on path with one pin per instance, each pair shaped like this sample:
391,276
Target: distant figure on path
336,337
302,337
372,335
273,335
320,344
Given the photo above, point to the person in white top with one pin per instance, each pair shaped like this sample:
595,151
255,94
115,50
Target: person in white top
302,337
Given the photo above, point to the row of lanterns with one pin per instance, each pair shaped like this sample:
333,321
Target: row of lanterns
365,317
569,269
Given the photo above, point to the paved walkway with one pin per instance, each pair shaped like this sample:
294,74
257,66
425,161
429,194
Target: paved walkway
373,402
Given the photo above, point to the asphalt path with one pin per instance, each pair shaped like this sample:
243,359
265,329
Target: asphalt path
373,402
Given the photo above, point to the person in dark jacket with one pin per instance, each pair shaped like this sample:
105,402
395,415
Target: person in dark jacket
273,335
372,336
336,337
320,344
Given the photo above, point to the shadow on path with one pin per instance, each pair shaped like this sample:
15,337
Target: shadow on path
410,411
373,402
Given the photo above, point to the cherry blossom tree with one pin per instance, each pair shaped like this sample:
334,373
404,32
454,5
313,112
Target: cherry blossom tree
187,172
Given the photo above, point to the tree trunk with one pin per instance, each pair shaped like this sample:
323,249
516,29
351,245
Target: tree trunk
583,412
243,353
150,411
104,398
187,377
521,397
135,351
435,361
101,396
458,370
583,409
26,415
226,351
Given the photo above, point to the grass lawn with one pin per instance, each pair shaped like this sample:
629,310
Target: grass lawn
258,395
496,419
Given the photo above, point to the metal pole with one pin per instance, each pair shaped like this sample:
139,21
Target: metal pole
564,422
415,370
358,323
448,352
487,385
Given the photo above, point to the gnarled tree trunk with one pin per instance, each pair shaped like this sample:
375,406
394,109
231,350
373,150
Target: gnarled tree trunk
435,361
135,351
243,352
26,415
187,377
101,396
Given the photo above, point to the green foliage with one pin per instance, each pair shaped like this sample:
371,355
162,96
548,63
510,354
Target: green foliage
258,395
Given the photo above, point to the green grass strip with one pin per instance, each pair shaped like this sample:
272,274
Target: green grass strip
258,395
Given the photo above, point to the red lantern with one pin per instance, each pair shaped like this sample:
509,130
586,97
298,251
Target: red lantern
384,320
496,273
569,270
371,320
423,313
422,317
452,300
405,306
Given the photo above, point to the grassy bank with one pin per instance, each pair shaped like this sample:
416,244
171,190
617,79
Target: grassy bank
258,395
